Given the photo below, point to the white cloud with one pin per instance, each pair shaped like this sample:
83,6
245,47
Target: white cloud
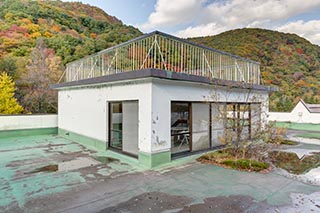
172,12
309,29
205,18
237,12
202,30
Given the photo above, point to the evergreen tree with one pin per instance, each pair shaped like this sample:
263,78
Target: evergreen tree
8,103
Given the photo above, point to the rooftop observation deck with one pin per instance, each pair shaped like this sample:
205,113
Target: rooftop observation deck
158,50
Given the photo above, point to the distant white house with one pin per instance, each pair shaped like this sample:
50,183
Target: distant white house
301,113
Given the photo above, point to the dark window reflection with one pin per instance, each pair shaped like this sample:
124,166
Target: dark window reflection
180,127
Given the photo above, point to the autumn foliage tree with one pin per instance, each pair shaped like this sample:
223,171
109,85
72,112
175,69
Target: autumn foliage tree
8,103
44,69
69,30
287,61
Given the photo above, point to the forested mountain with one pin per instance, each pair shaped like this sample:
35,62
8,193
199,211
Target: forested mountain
287,61
37,38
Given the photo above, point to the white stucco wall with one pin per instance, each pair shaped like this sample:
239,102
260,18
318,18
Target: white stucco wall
299,114
84,110
165,91
15,122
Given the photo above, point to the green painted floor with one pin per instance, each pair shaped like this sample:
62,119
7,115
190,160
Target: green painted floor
21,156
116,178
299,126
314,135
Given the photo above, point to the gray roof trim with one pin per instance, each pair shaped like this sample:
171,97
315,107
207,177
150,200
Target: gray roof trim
312,108
163,74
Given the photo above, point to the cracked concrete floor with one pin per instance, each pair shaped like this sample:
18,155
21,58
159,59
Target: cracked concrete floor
122,186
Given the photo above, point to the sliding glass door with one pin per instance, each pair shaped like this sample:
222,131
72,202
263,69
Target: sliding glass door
123,126
200,126
130,127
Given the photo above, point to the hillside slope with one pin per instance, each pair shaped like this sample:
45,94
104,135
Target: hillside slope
66,31
37,38
288,61
72,29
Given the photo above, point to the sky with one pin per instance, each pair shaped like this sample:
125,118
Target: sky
191,18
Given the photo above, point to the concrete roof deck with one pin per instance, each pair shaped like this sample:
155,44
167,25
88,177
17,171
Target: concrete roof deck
93,188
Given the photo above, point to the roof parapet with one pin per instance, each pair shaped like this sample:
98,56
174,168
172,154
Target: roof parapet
157,50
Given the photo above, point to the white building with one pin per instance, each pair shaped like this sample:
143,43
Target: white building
301,113
158,96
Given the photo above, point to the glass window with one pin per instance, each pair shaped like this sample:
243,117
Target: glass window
116,125
130,127
238,125
200,126
180,127
255,114
218,119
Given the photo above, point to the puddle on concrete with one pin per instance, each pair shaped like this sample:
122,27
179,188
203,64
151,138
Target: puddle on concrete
302,152
78,163
49,168
305,140
294,164
75,164
106,160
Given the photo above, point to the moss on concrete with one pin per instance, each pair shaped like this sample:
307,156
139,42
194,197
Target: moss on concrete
288,142
226,159
246,164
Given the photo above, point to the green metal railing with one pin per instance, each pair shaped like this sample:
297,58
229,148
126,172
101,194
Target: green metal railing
162,51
